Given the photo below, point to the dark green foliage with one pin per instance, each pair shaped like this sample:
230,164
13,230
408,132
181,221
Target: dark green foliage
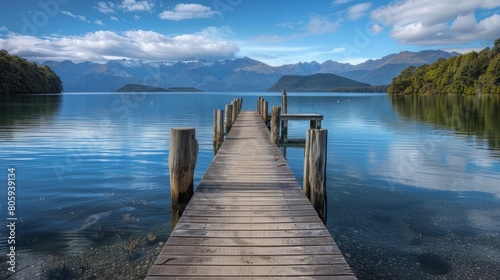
142,88
471,73
17,75
315,83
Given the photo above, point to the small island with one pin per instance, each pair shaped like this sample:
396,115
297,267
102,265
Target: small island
143,88
18,76
322,82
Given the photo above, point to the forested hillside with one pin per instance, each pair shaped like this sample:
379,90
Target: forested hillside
471,73
17,75
317,82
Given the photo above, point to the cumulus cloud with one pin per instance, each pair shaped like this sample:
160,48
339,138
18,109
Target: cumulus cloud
78,17
98,22
136,6
359,10
114,18
132,44
187,11
376,29
427,22
105,7
320,25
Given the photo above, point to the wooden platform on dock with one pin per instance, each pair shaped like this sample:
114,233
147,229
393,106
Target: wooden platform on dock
249,219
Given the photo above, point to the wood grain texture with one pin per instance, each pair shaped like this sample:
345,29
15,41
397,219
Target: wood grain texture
249,219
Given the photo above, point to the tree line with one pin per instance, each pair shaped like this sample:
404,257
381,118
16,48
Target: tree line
471,73
18,75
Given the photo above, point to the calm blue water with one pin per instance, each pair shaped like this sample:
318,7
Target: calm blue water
412,194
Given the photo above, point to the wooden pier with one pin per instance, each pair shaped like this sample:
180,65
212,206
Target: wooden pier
249,219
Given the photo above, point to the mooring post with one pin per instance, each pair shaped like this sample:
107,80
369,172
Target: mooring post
181,162
240,104
258,106
218,129
284,123
275,125
229,118
284,102
265,112
315,160
234,112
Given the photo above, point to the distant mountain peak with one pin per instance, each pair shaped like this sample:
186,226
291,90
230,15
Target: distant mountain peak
238,74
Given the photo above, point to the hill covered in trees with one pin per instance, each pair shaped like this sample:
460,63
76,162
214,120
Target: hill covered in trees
143,88
315,83
470,73
17,75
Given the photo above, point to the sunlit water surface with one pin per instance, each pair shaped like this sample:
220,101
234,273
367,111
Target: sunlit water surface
413,183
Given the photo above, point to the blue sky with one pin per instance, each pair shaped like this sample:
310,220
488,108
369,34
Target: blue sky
275,32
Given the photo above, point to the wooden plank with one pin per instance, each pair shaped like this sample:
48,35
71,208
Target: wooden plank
254,226
249,219
315,277
251,260
247,242
301,117
254,271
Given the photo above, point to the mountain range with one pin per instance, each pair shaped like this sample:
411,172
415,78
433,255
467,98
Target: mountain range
240,74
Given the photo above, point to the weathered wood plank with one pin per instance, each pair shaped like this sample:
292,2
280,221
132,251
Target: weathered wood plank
247,270
251,260
247,242
249,219
255,226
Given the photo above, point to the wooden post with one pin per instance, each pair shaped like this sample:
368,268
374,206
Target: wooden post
234,112
229,118
218,129
240,103
265,112
258,105
284,124
181,162
315,160
261,111
284,102
275,125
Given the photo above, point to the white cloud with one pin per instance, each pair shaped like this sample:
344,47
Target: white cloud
376,29
4,29
78,17
99,22
429,22
338,2
338,50
114,18
133,44
359,10
105,7
137,6
136,17
320,25
187,11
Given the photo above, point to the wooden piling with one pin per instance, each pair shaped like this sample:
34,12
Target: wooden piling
315,160
182,161
284,102
234,111
284,123
218,129
258,105
229,118
265,112
275,125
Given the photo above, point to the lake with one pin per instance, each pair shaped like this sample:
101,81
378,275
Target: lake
413,182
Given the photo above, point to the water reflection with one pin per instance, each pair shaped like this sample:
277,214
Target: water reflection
471,115
27,111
